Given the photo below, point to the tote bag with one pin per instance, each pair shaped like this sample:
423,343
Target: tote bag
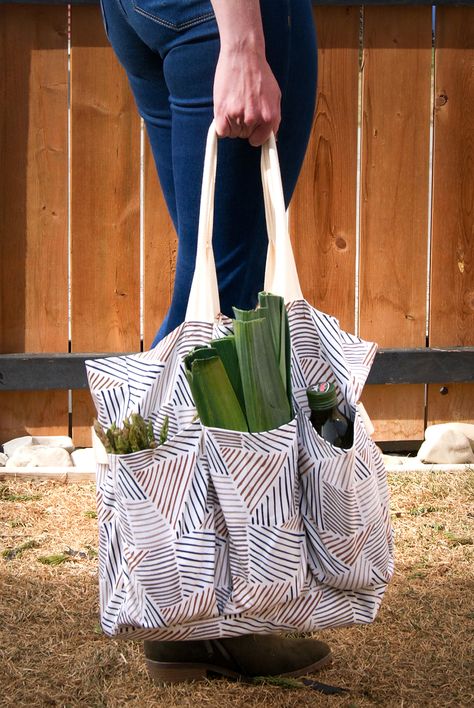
217,533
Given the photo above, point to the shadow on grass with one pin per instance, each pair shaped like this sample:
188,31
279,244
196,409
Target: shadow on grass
53,651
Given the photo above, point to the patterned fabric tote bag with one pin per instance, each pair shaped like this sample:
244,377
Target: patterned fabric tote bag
216,532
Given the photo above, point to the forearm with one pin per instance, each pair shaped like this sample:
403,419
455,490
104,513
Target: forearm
240,25
246,93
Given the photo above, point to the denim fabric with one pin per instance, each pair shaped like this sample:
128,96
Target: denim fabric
169,49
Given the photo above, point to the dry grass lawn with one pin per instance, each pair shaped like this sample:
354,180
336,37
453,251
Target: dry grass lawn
419,651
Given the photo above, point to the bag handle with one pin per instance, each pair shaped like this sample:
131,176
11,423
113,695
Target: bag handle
281,276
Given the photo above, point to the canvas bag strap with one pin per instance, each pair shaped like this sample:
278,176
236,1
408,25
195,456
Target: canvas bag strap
203,303
281,277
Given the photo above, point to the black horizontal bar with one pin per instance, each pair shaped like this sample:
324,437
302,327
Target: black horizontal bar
397,366
40,372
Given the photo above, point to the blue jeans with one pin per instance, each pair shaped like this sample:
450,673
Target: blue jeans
169,51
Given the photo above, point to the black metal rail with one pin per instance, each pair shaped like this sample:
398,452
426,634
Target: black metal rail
40,372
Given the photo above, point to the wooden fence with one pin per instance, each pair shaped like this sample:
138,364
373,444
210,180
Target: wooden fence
383,213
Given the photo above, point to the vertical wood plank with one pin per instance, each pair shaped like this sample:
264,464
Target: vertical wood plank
33,413
33,204
323,208
452,260
394,200
105,183
160,244
450,403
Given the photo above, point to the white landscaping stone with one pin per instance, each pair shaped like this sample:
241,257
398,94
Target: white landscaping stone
10,446
39,456
84,459
467,429
3,459
447,443
54,441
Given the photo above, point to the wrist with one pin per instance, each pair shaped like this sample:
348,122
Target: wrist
250,43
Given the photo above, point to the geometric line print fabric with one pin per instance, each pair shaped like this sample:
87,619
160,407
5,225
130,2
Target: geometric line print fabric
218,533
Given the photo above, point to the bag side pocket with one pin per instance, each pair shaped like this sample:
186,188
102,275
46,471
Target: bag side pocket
345,510
255,477
167,533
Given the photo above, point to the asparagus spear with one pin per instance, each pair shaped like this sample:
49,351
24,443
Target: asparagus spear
136,434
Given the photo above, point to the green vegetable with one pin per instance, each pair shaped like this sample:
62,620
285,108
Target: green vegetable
214,396
266,403
163,432
274,309
227,352
135,435
242,381
246,315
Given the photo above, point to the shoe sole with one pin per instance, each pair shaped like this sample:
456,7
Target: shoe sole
163,672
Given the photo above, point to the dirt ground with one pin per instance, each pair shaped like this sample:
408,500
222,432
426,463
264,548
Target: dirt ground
418,652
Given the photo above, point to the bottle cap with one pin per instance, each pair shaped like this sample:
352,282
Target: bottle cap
322,396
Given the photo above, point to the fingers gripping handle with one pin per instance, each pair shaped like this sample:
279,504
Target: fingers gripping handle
281,277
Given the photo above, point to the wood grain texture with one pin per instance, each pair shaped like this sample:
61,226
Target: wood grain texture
395,171
33,203
105,220
159,253
450,403
83,414
452,262
395,198
323,208
397,412
33,413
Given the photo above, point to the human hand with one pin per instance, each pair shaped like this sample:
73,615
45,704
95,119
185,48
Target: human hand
246,96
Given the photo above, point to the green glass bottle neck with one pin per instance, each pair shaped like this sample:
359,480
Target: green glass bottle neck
322,396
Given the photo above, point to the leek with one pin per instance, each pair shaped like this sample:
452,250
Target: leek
225,347
242,381
275,311
214,396
246,315
266,402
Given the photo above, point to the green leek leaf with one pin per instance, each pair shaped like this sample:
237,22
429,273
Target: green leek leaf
275,311
214,396
266,402
246,315
225,347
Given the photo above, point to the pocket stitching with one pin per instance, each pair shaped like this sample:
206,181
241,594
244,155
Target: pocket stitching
171,25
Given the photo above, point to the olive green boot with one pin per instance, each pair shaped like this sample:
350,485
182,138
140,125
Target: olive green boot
241,657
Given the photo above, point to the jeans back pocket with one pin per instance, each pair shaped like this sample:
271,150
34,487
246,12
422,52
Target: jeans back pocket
176,15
